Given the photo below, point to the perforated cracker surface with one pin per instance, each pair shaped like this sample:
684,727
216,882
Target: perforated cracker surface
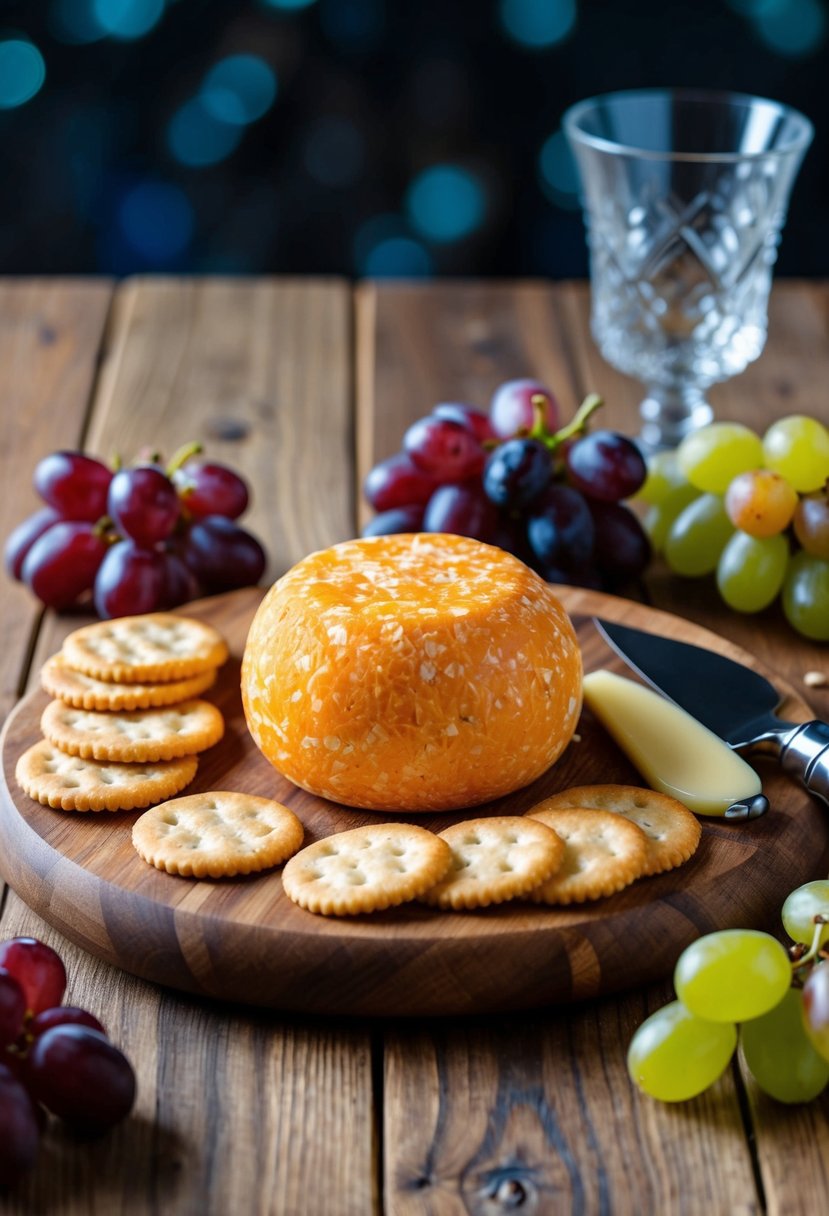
157,646
71,783
133,737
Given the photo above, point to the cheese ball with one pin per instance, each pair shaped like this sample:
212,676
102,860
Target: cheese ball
421,672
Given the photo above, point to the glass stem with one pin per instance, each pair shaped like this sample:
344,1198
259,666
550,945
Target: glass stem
670,411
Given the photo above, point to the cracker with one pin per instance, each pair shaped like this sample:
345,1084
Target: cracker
133,737
217,834
158,646
603,853
69,783
86,692
366,869
672,832
494,860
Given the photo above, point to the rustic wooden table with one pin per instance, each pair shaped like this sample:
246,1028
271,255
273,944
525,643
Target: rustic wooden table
302,384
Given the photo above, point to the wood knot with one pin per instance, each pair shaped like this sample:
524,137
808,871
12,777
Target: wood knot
227,429
510,1193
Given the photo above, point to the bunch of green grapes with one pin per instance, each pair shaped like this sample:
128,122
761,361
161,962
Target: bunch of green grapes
754,511
739,976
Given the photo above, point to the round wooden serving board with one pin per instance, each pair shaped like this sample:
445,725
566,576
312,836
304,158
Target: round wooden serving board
243,940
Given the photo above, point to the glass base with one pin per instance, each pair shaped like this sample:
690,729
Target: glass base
669,414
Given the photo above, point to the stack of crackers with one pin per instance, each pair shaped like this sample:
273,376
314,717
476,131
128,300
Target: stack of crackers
126,723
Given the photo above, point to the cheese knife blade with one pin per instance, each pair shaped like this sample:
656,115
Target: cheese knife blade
730,699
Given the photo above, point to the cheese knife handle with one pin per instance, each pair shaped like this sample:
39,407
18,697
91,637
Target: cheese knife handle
805,755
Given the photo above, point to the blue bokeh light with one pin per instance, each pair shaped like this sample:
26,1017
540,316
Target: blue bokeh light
355,25
287,5
397,257
557,171
239,89
445,203
335,152
74,22
127,19
22,72
537,24
157,221
198,138
791,27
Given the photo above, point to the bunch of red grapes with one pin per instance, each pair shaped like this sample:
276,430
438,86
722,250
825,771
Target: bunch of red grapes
143,538
514,477
52,1056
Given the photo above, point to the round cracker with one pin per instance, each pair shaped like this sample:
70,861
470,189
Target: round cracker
672,832
217,834
366,869
603,853
158,646
494,860
86,692
133,737
70,783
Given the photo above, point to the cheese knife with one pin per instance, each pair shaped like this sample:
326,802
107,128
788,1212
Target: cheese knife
730,699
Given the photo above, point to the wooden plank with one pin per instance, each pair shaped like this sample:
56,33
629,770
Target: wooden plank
542,1106
236,1112
50,336
260,371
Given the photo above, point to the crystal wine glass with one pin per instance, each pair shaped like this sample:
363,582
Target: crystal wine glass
685,197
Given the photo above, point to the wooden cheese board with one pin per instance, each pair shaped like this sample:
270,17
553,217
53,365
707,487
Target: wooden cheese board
243,940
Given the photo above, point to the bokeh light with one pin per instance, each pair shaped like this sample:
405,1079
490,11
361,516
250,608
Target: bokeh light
197,138
22,72
287,5
445,203
538,23
127,19
157,221
355,25
74,21
398,257
791,27
239,89
335,152
557,171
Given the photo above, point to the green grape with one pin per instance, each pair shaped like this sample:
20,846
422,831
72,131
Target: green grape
798,447
664,476
816,1009
732,975
674,1056
811,524
761,503
714,455
806,596
801,908
698,536
658,520
751,570
780,1055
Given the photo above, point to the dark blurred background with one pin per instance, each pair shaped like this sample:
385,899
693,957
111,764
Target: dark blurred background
360,137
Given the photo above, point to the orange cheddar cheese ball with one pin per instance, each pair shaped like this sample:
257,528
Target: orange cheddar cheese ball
411,673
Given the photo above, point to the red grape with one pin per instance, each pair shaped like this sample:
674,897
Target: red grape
811,523
19,1131
475,420
143,503
63,563
63,1015
397,482
622,546
446,450
462,508
12,1008
74,484
222,555
24,536
512,409
517,471
560,528
81,1077
605,465
37,969
207,488
180,584
130,581
401,519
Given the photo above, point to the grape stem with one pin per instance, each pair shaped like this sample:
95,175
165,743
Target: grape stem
575,426
814,950
183,455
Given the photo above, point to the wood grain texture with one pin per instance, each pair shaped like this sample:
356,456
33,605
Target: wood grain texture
220,938
260,371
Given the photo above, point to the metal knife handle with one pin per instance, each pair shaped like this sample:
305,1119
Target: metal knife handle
805,754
